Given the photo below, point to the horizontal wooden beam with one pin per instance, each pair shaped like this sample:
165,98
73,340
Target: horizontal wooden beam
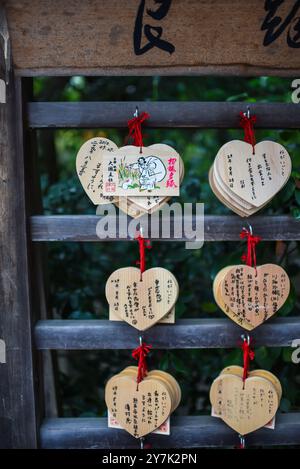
238,70
205,115
185,334
68,36
186,432
216,228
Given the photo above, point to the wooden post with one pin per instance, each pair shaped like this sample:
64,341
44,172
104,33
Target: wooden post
39,258
17,387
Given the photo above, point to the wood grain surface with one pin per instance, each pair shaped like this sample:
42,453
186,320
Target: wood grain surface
92,37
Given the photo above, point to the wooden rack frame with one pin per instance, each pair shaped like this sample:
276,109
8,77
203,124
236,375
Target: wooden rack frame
25,419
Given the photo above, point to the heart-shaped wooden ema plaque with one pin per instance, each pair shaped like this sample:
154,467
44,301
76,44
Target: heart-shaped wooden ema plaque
255,178
244,409
153,203
89,166
241,320
141,303
239,370
254,295
155,171
139,410
169,318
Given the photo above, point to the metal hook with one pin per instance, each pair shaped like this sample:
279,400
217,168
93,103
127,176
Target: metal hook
247,113
246,337
250,228
242,441
141,340
142,442
136,113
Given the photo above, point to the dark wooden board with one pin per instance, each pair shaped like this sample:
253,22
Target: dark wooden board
205,115
216,228
186,432
184,334
17,376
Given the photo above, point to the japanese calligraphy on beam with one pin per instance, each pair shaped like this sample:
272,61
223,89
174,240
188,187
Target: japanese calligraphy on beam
147,37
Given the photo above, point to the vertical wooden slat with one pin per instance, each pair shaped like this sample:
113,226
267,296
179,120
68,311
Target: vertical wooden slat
38,257
17,380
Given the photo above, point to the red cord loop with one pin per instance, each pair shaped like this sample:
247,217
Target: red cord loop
143,244
248,355
250,256
247,122
135,129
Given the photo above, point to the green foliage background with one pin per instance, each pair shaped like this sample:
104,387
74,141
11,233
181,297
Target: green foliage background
77,272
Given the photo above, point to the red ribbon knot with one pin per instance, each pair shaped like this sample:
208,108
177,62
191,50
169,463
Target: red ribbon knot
135,129
250,256
140,354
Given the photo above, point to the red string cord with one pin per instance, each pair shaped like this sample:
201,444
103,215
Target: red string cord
248,125
248,355
140,354
250,256
143,244
135,129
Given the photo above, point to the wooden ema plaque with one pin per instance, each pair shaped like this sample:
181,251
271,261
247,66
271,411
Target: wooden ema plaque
244,406
238,371
251,296
169,318
245,181
141,408
89,165
141,303
135,171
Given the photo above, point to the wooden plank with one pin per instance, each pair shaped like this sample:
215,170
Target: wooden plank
216,228
17,390
205,115
71,36
39,263
185,334
186,432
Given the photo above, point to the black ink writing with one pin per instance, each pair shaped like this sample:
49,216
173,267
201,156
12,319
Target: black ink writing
275,25
153,34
